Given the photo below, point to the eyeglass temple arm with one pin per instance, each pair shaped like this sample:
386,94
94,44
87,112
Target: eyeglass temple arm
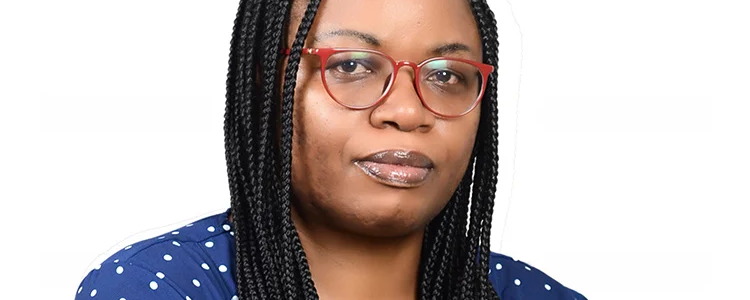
287,51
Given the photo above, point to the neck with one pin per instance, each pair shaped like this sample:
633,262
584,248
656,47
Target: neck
345,265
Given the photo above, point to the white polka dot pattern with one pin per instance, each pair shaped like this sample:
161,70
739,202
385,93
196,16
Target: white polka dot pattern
199,258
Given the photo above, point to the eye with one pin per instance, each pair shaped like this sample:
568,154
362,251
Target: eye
444,77
350,67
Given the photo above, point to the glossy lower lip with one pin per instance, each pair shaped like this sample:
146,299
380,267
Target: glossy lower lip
395,175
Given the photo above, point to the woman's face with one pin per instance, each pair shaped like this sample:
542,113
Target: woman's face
337,177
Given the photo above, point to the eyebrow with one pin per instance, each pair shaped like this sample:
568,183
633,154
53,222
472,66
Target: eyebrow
365,37
451,48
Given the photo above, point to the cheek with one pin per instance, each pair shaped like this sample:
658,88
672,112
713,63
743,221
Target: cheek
316,145
320,124
462,136
471,128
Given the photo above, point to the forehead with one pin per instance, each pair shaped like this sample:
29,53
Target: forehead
398,25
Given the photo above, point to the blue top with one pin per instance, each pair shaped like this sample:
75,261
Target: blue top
196,262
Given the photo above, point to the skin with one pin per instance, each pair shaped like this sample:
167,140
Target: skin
363,238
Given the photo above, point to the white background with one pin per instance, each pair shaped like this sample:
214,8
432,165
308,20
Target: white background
626,170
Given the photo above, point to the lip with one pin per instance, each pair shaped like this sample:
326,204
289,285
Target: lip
397,168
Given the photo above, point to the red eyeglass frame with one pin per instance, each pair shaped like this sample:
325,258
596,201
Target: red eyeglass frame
325,53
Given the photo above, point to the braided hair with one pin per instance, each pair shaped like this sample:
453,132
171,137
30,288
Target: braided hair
269,259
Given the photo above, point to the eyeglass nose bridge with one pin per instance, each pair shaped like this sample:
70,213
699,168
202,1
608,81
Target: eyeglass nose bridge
397,65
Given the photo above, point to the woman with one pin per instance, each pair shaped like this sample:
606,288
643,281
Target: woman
355,133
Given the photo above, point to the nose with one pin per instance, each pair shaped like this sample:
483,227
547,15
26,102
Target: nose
402,108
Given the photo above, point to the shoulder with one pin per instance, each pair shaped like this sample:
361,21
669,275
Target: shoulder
517,280
192,262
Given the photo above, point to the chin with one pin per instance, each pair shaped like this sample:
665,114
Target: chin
384,216
383,228
369,209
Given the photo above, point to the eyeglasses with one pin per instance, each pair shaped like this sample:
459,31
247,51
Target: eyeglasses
362,78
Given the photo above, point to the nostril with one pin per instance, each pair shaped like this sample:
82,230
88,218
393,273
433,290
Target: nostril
391,124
